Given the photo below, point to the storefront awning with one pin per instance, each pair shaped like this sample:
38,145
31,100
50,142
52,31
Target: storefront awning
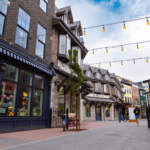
26,60
99,99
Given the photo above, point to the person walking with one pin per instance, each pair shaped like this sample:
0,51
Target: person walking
127,115
120,115
137,114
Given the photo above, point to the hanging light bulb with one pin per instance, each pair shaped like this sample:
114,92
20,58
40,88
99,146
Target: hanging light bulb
137,46
8,3
22,42
93,52
147,60
122,49
51,38
124,27
37,40
84,33
10,43
104,29
110,64
106,50
134,62
122,63
67,36
147,22
99,65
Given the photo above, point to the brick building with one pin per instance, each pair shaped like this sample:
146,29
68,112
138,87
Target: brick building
25,57
136,95
106,96
66,36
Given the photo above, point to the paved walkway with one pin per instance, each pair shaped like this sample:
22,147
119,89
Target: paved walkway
109,135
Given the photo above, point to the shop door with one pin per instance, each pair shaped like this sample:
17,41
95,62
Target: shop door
98,113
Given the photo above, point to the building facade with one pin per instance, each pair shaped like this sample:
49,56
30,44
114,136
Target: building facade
103,102
66,36
25,70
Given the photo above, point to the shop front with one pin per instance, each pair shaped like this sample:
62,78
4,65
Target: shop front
25,93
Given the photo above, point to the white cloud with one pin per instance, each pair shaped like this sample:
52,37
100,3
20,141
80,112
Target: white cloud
92,14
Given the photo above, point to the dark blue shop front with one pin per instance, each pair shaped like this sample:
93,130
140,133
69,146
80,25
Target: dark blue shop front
25,91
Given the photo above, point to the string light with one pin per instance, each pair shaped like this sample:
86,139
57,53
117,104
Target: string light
147,22
84,33
118,45
137,46
51,38
121,61
104,29
124,27
37,40
110,64
134,61
106,50
93,52
122,49
116,23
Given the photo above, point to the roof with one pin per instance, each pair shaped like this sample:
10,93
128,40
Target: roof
106,100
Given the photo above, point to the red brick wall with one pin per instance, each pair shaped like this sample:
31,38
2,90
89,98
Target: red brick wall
32,7
135,95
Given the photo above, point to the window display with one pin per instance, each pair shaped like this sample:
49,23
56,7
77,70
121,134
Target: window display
24,101
107,111
8,98
37,103
87,113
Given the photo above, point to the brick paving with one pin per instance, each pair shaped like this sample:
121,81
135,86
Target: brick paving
15,138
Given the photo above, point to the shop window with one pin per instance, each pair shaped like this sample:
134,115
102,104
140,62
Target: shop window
40,43
61,101
26,78
22,28
3,12
24,101
43,5
87,113
106,88
37,104
8,98
107,111
98,87
11,73
38,81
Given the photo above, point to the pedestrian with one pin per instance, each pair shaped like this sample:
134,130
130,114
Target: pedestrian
127,115
120,115
137,114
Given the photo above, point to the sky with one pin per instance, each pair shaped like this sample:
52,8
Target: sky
99,12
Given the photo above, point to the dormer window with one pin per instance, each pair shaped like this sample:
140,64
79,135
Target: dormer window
106,88
98,75
64,44
89,73
107,77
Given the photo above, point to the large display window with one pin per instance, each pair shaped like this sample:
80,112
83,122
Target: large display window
20,89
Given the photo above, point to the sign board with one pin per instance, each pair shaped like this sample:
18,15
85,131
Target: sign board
98,95
131,114
70,115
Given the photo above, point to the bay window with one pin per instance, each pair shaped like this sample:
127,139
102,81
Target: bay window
40,44
106,88
22,30
43,5
97,87
64,44
3,12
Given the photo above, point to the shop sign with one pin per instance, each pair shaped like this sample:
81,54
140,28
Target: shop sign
64,67
9,87
2,110
98,95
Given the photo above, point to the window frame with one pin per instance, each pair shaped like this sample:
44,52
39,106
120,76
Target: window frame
41,42
46,5
5,17
97,88
27,40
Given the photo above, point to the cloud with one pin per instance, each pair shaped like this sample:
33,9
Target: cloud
91,14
